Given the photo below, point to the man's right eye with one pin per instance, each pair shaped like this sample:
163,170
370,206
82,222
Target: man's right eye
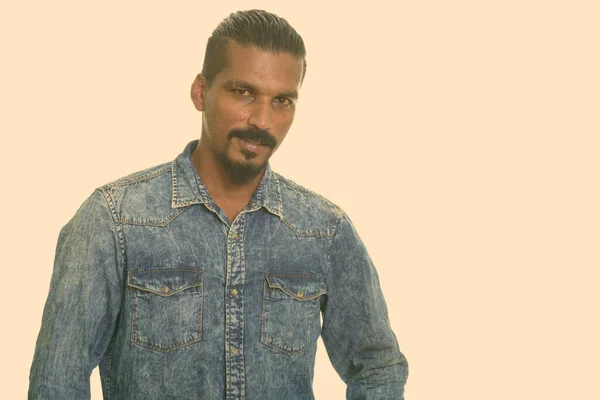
243,92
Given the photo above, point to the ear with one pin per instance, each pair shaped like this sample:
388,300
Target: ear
198,91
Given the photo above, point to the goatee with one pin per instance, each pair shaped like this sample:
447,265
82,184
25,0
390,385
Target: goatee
242,172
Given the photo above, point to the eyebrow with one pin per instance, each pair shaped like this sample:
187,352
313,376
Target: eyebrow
245,85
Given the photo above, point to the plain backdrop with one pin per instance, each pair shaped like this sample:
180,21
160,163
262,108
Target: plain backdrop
462,138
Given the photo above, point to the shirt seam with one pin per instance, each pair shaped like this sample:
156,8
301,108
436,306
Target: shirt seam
154,173
118,227
339,213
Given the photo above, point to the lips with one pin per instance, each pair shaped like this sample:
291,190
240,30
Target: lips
254,137
251,145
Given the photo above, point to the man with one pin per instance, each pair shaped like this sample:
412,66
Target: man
205,278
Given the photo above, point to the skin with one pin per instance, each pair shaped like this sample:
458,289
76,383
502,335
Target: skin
257,91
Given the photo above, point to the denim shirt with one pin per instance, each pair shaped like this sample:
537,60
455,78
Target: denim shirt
154,284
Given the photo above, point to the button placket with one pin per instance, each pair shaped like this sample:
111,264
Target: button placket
234,306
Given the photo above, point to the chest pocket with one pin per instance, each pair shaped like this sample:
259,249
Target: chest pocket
166,308
289,316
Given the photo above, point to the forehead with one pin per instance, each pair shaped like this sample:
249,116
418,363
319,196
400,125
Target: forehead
265,70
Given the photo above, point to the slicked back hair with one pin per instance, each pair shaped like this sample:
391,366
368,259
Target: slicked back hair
257,28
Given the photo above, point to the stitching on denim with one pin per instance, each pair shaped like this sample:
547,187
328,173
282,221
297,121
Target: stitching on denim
157,269
227,334
121,237
176,194
174,187
204,196
189,203
134,336
177,346
300,188
285,350
263,329
241,231
306,233
264,320
118,228
145,289
201,309
293,295
259,193
278,191
292,351
335,227
161,170
134,333
107,379
240,315
227,328
311,319
158,223
298,275
156,292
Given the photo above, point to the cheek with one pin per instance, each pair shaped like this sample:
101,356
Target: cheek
282,127
240,116
230,114
284,122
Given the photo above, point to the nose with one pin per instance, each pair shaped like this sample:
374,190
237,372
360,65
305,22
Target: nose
260,115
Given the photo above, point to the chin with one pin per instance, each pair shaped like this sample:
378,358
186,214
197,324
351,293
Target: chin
248,155
243,172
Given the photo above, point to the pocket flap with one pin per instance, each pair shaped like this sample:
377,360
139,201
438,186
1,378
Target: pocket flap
165,282
300,287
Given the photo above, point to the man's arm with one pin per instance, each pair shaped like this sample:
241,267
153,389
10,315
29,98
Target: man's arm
356,330
82,306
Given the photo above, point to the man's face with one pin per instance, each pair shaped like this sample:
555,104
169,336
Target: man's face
249,108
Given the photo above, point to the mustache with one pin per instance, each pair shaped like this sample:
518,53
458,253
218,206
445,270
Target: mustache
255,135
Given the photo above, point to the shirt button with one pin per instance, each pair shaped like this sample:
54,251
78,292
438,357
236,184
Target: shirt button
235,236
300,293
165,289
234,351
234,292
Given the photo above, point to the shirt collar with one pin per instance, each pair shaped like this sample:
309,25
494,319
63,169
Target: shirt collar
187,187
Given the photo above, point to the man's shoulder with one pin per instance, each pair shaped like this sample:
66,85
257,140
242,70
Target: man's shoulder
147,175
143,197
303,207
300,193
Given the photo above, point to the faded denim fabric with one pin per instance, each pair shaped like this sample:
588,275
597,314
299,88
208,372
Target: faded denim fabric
153,283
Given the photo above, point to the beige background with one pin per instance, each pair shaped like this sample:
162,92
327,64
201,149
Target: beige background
460,136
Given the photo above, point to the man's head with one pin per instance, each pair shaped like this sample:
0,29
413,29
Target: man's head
253,28
253,68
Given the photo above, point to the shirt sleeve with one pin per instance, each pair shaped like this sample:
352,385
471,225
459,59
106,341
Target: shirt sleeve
82,305
356,331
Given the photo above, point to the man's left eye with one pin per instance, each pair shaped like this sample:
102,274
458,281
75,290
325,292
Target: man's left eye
284,101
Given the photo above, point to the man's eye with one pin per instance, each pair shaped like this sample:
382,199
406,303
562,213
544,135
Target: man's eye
243,92
284,101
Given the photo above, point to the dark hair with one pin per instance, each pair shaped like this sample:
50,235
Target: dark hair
257,28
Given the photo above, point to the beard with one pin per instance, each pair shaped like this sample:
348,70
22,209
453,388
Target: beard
242,172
